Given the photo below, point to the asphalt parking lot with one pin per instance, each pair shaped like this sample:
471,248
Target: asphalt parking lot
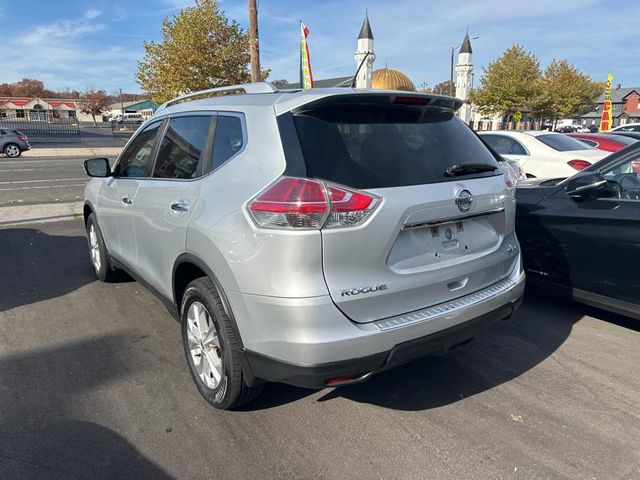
95,385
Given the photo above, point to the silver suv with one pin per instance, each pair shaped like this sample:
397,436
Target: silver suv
310,237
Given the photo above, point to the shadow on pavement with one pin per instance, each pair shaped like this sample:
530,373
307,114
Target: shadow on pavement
503,352
36,266
42,394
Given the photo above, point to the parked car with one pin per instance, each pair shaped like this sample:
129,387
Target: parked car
566,129
603,141
313,237
633,135
579,236
593,128
542,154
628,127
572,129
13,142
130,118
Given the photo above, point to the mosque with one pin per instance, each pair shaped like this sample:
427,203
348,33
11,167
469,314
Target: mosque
391,79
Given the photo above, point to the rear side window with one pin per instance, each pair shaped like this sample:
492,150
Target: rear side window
504,145
182,151
562,143
136,158
228,139
377,146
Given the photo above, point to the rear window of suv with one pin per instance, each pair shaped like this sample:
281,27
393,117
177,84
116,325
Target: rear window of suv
378,146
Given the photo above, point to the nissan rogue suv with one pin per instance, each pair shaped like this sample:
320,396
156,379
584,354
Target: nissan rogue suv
312,237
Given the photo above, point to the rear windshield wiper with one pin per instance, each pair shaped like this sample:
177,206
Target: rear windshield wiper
468,168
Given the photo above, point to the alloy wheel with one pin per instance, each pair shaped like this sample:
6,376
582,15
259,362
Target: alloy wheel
94,247
204,345
12,151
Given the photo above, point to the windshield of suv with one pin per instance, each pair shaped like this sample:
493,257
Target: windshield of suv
372,146
562,143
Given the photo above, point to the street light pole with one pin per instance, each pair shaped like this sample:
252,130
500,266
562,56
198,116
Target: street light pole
253,41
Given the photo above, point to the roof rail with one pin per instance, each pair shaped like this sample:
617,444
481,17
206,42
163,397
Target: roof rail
257,87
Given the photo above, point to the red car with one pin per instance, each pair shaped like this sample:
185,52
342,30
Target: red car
603,141
608,143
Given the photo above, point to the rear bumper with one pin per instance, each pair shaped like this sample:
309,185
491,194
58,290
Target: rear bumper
304,341
315,376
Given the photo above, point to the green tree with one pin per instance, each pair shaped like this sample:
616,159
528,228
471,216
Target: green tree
94,102
200,48
509,83
565,92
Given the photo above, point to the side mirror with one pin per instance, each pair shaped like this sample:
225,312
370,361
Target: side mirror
585,183
97,167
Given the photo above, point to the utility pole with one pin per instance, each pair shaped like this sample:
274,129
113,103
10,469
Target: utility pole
253,40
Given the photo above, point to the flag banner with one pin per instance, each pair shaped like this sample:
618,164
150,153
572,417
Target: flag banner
306,77
606,121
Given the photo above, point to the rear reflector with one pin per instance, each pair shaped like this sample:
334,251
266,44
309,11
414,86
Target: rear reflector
338,380
302,203
578,164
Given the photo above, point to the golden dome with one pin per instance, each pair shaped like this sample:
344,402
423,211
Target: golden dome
389,79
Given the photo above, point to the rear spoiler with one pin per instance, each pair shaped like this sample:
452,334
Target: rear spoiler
383,98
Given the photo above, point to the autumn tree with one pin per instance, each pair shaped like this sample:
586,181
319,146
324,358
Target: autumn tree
444,88
94,102
509,83
280,83
565,92
200,48
27,87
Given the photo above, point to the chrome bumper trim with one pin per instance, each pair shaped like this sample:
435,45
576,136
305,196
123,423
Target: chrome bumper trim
445,308
458,218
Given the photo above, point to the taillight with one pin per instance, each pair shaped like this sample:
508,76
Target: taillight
510,177
348,207
635,166
22,138
578,164
301,203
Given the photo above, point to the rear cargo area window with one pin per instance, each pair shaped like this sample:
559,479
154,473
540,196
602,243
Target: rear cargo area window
386,146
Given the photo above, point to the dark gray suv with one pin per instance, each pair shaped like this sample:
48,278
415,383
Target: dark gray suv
13,142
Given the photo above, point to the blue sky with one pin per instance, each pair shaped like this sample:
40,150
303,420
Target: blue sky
79,44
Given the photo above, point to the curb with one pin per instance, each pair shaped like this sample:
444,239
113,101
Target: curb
48,212
72,152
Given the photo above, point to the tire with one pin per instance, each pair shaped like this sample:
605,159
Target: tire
12,150
98,253
213,357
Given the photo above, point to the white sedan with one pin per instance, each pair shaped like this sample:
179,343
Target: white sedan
543,154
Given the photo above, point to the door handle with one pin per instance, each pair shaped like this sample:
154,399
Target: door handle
127,200
180,206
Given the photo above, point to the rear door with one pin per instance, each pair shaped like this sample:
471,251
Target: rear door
435,236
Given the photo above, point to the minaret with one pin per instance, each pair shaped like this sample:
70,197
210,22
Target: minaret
365,45
464,78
